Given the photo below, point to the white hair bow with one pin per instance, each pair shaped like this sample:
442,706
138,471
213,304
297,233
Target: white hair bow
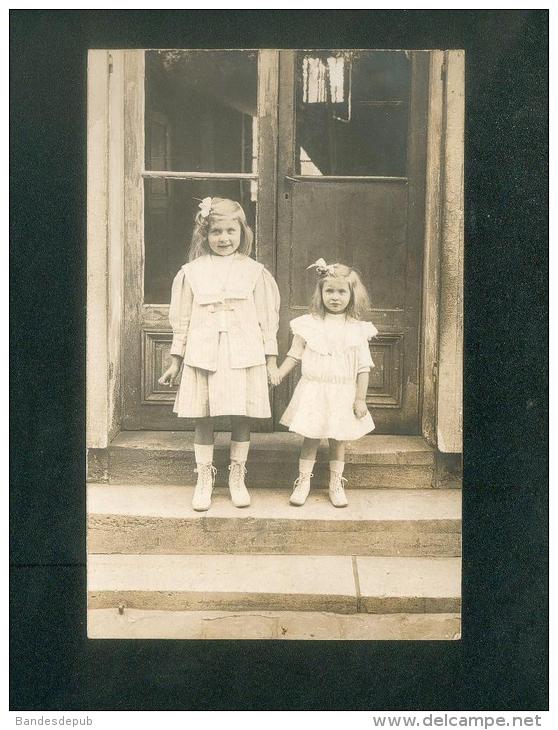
205,207
322,268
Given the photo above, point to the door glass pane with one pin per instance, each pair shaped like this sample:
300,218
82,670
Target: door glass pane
170,207
351,112
200,111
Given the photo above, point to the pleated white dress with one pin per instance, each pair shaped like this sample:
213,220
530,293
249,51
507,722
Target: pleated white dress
332,351
227,391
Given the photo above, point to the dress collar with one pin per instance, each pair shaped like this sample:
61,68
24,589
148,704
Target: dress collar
331,317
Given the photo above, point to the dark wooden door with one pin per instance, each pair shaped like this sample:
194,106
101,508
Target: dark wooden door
325,149
351,181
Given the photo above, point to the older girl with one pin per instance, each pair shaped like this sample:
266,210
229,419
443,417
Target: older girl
224,313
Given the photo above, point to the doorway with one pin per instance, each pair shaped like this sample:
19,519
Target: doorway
326,152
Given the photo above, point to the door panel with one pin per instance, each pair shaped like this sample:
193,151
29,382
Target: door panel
361,224
344,199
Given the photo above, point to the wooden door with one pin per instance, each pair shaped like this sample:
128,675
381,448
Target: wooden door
197,123
351,180
326,151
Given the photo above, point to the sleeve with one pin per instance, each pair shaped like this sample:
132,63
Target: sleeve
364,359
365,362
179,312
297,348
267,300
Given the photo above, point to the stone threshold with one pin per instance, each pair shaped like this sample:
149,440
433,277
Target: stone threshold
155,457
282,445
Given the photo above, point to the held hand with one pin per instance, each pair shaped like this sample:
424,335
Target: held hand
359,408
168,377
275,380
273,376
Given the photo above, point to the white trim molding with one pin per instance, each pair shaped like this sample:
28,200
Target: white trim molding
105,173
450,367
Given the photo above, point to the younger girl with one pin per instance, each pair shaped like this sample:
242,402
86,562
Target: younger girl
224,313
329,399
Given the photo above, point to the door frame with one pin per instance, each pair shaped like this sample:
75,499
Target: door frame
442,307
441,370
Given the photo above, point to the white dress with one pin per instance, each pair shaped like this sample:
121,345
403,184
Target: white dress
228,391
332,351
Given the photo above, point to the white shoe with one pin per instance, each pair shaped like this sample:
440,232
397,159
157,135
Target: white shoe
301,490
201,501
237,487
337,495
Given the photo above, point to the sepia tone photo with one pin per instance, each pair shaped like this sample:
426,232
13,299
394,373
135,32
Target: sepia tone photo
274,344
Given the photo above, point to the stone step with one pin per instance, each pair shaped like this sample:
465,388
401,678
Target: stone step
167,457
159,519
109,623
338,584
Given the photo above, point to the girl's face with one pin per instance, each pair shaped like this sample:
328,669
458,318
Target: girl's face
224,235
336,295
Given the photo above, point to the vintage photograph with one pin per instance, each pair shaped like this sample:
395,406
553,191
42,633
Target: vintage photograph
274,343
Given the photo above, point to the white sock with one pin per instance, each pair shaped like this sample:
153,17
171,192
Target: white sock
336,467
305,466
239,450
203,453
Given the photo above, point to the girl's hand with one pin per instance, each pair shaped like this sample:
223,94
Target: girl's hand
168,377
359,408
273,376
275,379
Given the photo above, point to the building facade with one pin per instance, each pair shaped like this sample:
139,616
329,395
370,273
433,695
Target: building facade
353,156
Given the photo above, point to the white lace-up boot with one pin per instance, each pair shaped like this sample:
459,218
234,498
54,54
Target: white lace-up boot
302,482
237,487
337,495
237,470
201,501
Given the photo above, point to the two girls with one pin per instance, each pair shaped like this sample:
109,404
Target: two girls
224,314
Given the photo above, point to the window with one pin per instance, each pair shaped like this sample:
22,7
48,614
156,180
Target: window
351,113
201,138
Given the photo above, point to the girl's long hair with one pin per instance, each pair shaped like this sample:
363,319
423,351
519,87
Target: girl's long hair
359,302
220,207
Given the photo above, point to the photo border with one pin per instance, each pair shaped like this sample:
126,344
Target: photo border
502,660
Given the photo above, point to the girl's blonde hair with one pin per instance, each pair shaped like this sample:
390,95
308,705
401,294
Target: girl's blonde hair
359,302
220,207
